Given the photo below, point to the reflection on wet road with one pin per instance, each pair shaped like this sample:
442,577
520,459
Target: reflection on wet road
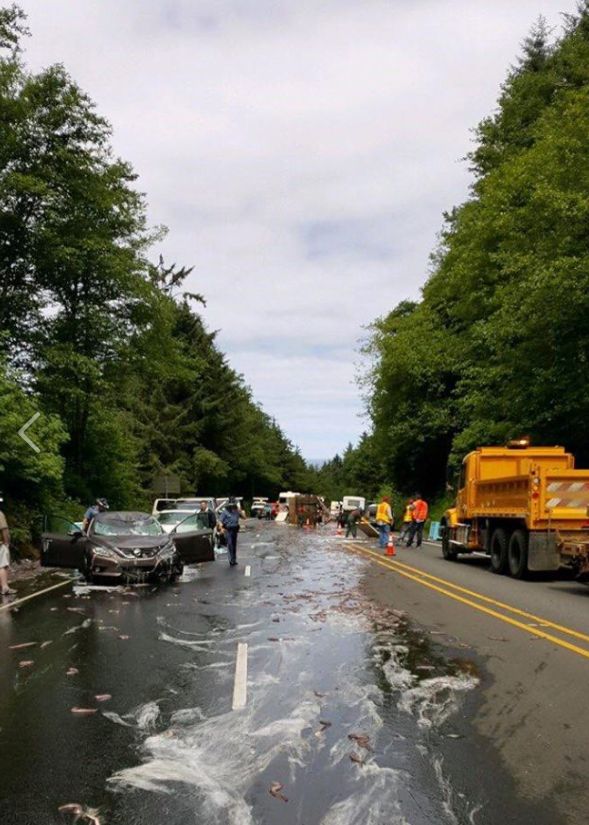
124,703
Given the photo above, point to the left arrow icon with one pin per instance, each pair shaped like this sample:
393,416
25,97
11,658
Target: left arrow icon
23,432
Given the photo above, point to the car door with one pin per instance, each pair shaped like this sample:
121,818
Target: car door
62,543
194,544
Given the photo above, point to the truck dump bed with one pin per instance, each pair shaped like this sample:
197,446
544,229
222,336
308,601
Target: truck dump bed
546,499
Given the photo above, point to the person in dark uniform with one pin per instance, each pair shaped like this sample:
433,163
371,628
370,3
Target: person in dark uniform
230,522
352,522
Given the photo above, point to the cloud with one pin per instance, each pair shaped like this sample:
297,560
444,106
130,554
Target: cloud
301,153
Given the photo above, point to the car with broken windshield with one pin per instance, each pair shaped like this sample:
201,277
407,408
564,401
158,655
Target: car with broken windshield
125,546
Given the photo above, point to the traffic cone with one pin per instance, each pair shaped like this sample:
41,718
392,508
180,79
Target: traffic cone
390,546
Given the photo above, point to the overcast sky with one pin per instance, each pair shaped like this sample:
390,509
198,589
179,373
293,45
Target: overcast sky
301,153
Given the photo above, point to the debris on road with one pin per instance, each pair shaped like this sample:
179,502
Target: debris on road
85,624
356,759
275,790
26,663
72,671
84,711
22,645
71,808
361,740
103,697
80,814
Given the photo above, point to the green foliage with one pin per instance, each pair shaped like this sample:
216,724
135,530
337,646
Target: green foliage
104,344
499,344
359,471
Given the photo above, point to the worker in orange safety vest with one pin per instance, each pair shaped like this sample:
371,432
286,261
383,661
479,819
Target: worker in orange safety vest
420,513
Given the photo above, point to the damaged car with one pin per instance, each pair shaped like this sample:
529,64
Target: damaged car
125,546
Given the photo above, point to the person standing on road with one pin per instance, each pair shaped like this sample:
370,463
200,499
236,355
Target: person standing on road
5,590
407,519
205,517
420,513
100,506
230,522
384,521
354,517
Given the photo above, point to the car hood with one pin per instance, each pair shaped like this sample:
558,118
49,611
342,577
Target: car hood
130,542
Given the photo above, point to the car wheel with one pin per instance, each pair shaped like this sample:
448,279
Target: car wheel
517,554
499,551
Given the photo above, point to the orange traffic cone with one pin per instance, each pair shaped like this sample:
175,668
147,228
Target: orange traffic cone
390,546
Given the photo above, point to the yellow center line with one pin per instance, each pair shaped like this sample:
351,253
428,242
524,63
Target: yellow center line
515,610
481,608
34,595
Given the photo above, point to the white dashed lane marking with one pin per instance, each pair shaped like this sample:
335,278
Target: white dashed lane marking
240,686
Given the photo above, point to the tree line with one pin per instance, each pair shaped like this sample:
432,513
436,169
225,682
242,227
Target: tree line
96,333
498,344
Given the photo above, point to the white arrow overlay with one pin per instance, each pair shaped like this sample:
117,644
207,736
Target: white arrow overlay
25,427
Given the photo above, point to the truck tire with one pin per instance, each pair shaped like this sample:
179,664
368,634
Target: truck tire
499,551
517,554
448,551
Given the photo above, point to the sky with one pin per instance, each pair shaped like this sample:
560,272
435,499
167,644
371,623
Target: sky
301,154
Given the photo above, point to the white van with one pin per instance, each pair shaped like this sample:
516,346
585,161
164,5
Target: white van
354,503
188,504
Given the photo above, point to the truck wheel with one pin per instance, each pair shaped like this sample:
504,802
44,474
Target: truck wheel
499,551
448,551
517,554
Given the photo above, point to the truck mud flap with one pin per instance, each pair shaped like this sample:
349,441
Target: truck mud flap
543,552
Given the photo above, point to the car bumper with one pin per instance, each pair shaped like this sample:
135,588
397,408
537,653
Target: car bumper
131,568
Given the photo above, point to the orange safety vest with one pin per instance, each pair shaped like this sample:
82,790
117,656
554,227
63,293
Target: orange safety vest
420,510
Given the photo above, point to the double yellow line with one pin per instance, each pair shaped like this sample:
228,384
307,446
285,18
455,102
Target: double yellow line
468,597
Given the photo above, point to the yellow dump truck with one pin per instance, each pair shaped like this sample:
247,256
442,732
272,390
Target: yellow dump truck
526,507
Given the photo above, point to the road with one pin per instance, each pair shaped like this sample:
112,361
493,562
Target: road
532,638
315,672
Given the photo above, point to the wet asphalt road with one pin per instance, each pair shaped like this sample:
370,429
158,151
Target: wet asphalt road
353,714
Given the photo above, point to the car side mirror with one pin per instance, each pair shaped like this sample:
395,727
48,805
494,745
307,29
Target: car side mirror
75,534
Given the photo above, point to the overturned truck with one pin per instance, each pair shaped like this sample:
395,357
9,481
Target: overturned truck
307,510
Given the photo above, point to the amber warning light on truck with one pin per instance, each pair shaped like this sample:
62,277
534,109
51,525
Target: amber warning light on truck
519,443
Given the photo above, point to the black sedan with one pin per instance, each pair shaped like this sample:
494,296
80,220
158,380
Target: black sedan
126,546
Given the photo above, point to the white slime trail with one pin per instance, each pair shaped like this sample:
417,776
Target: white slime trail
220,758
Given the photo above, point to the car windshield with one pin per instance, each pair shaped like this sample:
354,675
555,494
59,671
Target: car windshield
175,517
138,526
